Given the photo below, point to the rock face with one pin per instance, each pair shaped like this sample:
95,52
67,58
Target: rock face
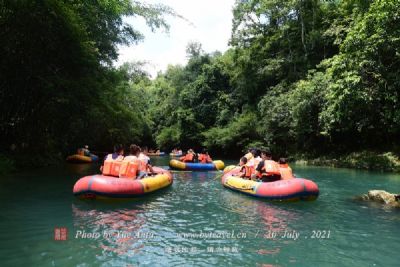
383,197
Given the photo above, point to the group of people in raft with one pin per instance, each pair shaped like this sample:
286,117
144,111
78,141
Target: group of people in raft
255,165
193,157
263,168
134,165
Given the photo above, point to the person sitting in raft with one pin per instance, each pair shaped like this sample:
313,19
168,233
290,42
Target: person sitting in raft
285,170
245,171
189,157
267,170
253,158
86,151
248,155
134,154
204,157
145,158
117,155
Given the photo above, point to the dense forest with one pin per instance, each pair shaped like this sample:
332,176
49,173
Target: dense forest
304,78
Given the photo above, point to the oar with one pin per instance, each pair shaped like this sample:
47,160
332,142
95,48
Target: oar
218,176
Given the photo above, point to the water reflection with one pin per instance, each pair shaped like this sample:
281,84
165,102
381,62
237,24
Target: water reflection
81,169
197,176
276,218
117,230
273,216
202,176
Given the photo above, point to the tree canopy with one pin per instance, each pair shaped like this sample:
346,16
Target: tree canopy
302,76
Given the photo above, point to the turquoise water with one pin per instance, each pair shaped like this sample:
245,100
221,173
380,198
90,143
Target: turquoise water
197,222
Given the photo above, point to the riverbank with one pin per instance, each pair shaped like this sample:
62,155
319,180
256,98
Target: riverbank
388,162
366,160
15,163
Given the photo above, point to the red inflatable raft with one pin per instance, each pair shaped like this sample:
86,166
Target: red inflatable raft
101,186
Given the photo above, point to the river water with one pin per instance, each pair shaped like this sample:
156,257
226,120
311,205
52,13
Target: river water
196,222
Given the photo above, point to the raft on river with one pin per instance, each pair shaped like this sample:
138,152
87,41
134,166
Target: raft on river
175,154
82,159
108,187
156,153
187,166
293,189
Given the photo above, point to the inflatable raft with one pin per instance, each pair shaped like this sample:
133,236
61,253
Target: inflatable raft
108,187
175,154
82,159
283,190
186,166
156,154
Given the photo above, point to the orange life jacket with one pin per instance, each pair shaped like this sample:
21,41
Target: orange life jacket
204,158
129,169
120,168
286,172
270,168
187,158
248,171
112,167
142,165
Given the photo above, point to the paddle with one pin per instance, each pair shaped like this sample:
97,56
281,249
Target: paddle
219,175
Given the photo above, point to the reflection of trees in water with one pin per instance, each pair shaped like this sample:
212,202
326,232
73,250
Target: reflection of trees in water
81,169
121,225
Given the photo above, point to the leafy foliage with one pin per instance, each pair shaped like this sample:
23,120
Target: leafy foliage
58,88
302,77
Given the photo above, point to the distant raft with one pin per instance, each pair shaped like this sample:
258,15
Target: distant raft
175,154
186,166
156,154
294,189
82,159
108,187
